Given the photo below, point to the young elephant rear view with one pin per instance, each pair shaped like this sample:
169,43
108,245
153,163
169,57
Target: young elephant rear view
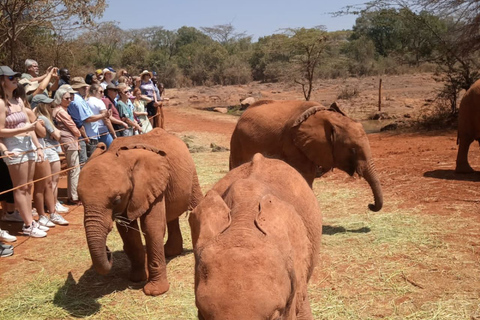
150,177
256,238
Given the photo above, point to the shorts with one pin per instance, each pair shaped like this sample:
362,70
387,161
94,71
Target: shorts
51,154
20,144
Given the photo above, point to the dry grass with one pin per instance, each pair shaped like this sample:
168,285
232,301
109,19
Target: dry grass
382,265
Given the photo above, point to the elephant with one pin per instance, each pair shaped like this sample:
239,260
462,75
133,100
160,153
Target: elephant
468,126
150,177
256,238
309,137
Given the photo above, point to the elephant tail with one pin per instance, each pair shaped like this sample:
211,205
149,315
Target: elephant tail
196,194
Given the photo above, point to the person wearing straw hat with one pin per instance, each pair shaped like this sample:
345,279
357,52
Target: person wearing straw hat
108,76
23,147
149,90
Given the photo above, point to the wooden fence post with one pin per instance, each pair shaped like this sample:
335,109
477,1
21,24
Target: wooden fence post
380,95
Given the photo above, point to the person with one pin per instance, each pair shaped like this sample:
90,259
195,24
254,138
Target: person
140,111
110,100
23,148
105,128
63,78
91,78
44,112
125,111
108,76
149,90
84,117
32,74
99,75
34,88
6,199
43,195
69,135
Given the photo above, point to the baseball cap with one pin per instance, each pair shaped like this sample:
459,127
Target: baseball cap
40,98
6,71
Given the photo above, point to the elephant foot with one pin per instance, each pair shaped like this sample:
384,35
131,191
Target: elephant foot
172,250
138,275
156,288
465,168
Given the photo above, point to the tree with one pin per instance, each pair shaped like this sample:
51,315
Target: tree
306,47
18,16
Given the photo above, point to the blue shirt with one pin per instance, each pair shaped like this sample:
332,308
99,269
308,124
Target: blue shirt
80,111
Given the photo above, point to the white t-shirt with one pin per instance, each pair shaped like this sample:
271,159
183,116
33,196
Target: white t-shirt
97,105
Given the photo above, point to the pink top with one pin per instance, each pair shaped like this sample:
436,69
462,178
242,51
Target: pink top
16,119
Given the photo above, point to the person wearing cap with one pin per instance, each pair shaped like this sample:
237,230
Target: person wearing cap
16,133
43,111
34,88
84,117
68,138
99,75
43,192
108,76
110,100
125,111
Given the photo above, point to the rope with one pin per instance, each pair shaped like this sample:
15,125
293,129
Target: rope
61,171
82,139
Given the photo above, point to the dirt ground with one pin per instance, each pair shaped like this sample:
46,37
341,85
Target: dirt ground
416,168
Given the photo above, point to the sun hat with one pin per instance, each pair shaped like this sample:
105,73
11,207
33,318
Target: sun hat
31,86
6,71
68,88
24,81
111,86
78,82
144,72
40,98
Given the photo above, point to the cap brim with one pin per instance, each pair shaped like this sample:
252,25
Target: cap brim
80,86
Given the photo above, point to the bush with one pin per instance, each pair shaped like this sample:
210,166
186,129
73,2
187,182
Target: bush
440,117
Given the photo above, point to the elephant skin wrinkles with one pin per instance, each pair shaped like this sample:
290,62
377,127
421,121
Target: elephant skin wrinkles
151,178
256,238
309,137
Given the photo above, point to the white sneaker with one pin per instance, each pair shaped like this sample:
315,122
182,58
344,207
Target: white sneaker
60,208
33,231
5,236
12,217
34,213
58,219
44,221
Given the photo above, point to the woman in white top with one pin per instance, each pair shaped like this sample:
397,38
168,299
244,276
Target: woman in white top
98,106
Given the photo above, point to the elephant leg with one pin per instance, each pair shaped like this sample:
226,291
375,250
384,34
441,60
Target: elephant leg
154,225
133,247
174,245
305,312
462,157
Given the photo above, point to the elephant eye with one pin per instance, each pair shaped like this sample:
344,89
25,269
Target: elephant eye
117,200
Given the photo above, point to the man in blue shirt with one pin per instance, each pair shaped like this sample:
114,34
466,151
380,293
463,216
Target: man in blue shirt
84,118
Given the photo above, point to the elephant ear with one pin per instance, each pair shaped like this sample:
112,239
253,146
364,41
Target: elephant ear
209,219
149,175
314,135
274,218
101,149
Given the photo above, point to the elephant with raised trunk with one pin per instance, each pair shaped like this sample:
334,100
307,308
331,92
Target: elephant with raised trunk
309,137
256,239
468,126
150,177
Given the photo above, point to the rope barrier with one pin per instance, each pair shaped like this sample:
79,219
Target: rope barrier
61,171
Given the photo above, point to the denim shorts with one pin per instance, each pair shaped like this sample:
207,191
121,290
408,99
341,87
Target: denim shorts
51,154
19,144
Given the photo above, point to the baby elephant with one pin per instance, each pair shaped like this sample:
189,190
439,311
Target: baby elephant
256,238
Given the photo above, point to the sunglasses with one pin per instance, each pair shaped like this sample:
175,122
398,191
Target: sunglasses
125,92
11,77
100,91
65,98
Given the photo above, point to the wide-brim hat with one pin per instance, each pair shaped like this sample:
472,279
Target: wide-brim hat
68,88
40,98
31,86
78,82
6,71
111,86
144,72
107,70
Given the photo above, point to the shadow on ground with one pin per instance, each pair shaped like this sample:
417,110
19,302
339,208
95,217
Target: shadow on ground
80,298
451,175
331,230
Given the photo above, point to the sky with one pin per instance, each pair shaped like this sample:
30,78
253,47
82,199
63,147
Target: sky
256,18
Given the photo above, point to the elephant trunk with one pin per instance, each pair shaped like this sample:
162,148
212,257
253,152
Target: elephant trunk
97,230
370,174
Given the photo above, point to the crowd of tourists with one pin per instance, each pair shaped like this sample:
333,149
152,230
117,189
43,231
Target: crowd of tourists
45,116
